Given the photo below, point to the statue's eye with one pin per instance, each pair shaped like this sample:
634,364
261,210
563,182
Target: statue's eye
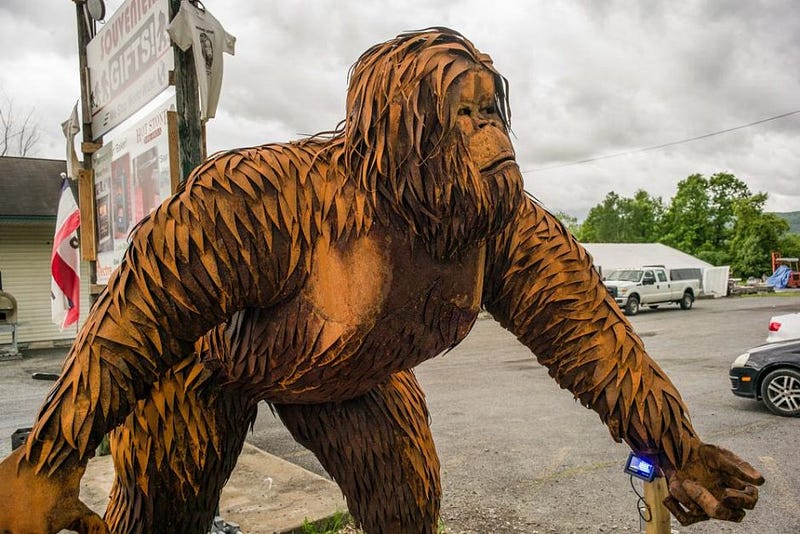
465,110
489,110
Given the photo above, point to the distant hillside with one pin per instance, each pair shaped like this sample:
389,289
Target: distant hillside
793,218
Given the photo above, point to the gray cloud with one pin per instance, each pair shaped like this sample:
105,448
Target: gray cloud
587,79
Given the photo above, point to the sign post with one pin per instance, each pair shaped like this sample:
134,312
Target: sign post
123,67
191,149
654,494
85,176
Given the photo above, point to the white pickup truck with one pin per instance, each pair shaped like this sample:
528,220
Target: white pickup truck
649,286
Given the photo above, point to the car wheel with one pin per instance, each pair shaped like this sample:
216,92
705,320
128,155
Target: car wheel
781,392
632,306
686,301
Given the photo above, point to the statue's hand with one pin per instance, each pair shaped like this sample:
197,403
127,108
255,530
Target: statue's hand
714,483
38,503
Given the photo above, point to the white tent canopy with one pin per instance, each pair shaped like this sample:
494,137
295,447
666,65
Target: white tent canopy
619,255
608,256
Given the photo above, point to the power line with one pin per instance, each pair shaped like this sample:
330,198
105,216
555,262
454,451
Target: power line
664,145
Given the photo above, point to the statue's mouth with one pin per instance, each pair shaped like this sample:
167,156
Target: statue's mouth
499,164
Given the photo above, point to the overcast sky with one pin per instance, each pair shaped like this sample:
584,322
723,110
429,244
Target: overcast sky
586,79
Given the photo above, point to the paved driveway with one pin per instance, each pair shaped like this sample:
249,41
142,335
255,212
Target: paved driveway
520,455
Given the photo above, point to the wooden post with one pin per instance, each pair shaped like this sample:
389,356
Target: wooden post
88,230
654,494
175,176
187,104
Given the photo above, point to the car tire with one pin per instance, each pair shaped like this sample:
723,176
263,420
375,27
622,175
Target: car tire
686,301
632,306
780,392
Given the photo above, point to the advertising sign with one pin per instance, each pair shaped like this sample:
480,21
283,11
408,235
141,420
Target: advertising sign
129,62
132,177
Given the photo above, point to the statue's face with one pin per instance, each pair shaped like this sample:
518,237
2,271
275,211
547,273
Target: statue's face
479,121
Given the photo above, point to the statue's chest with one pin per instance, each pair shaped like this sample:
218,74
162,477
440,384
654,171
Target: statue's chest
383,286
366,311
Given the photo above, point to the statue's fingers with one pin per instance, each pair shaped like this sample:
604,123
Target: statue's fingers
685,517
735,483
741,498
678,493
730,464
710,505
690,509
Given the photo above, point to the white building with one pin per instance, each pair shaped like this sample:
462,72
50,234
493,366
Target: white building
29,194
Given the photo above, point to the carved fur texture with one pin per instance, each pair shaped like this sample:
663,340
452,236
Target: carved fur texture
315,275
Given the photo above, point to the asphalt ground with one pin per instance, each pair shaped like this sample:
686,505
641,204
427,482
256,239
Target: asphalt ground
520,455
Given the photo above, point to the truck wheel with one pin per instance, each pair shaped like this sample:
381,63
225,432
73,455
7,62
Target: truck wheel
632,306
686,301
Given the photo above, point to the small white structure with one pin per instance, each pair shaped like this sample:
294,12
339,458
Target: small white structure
682,266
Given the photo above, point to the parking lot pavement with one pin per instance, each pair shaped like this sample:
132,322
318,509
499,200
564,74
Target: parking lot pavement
20,395
519,454
264,495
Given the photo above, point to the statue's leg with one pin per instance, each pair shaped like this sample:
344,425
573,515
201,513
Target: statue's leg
380,451
175,452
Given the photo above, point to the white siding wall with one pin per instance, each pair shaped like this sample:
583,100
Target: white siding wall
25,266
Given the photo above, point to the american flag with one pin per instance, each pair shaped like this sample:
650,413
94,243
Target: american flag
65,286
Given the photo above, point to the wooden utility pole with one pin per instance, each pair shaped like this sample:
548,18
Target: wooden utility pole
88,147
188,105
654,494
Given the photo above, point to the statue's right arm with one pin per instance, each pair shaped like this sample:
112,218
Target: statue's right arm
230,238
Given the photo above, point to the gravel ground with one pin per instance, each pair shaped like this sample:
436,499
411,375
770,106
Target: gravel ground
520,455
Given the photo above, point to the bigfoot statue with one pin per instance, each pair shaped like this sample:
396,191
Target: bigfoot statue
315,275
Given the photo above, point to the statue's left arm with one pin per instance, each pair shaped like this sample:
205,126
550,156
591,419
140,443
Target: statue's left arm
541,285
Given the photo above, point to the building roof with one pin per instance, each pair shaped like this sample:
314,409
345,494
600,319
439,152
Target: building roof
619,255
30,187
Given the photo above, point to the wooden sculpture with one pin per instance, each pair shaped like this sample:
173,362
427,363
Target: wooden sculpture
314,275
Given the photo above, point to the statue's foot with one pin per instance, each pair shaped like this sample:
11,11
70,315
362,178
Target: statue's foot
43,504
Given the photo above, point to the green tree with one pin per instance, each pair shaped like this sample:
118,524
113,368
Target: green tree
789,244
700,218
623,220
602,224
641,217
724,190
755,235
685,222
570,221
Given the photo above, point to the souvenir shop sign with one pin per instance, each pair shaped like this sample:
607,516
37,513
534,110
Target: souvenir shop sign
129,62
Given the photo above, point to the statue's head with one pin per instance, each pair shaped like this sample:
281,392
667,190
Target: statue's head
427,135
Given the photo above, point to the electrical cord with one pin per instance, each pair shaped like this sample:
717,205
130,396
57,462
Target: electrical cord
645,514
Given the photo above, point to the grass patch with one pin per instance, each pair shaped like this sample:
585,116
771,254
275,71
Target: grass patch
332,525
780,294
339,523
